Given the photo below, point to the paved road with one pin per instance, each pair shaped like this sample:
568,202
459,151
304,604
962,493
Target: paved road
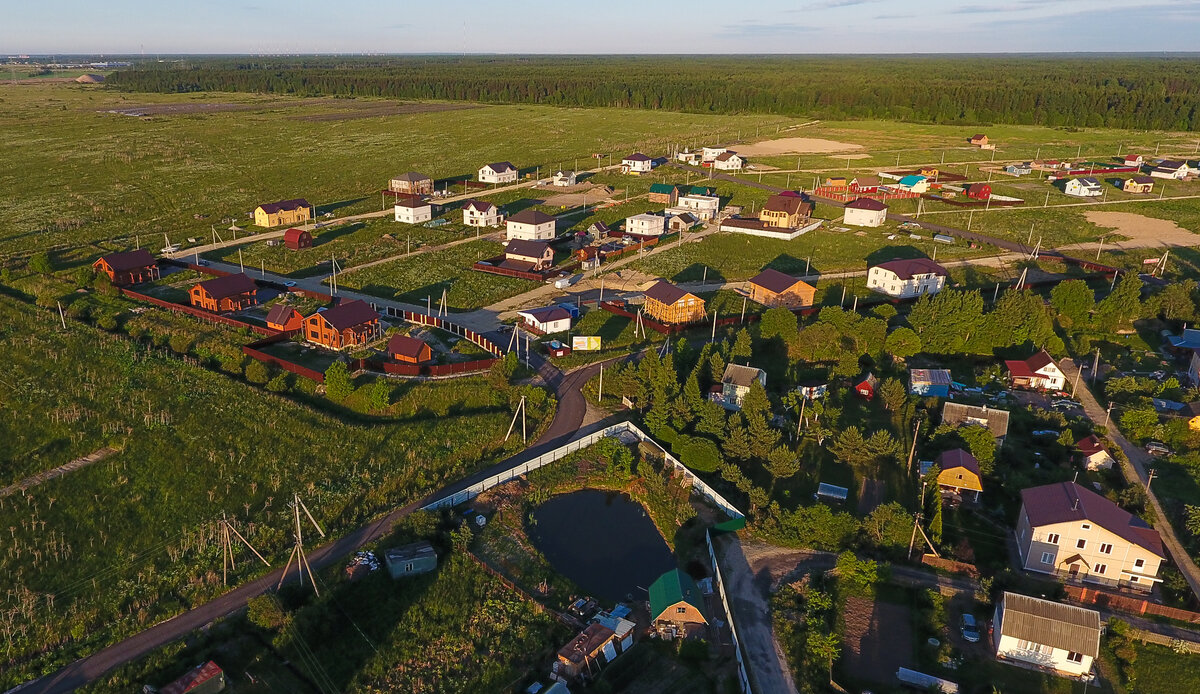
566,424
1135,473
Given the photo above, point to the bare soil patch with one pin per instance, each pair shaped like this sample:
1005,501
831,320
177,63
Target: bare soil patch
339,109
878,639
849,156
794,145
1142,231
579,195
376,110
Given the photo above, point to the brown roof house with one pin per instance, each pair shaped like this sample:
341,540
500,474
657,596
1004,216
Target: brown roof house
129,267
1073,533
229,293
959,477
348,324
273,214
411,183
408,350
1138,184
585,654
1095,455
907,278
784,211
284,318
669,304
528,256
773,288
865,212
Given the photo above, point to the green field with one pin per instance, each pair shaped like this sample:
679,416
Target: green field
92,177
121,544
414,279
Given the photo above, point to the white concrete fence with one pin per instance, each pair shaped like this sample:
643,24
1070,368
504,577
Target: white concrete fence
743,671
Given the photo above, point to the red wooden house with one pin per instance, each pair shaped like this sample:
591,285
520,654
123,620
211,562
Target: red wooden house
295,239
130,267
408,350
346,325
284,318
229,293
978,191
866,386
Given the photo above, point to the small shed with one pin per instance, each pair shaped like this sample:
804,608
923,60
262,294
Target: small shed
411,559
978,191
284,318
205,678
296,239
831,492
408,350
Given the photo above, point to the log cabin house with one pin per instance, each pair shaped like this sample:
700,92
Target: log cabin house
773,288
129,267
346,325
669,304
273,214
408,350
284,318
223,294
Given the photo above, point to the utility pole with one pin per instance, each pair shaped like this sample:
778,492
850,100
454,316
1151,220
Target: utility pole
912,451
1095,366
61,317
1150,479
519,411
600,396
917,522
298,549
1107,414
227,557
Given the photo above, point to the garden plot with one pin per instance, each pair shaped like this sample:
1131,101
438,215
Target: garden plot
795,145
878,639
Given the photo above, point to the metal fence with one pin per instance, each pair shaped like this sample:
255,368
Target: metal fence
743,670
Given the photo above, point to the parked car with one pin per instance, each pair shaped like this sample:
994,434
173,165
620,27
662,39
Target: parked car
970,628
289,283
1157,448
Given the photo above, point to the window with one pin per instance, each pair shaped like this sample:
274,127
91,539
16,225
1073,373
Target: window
1086,526
680,610
1081,544
1047,558
1139,563
1101,568
408,567
1075,657
1133,579
1105,548
1052,538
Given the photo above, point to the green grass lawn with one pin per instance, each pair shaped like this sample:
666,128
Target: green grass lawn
426,275
92,177
1159,670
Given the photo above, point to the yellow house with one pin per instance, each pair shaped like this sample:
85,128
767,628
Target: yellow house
959,474
1192,412
273,214
784,211
667,303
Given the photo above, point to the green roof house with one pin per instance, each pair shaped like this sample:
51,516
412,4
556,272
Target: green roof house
677,606
664,193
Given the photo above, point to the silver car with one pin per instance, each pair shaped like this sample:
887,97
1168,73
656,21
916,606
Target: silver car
970,628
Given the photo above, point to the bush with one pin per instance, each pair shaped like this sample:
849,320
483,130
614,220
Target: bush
257,372
40,263
700,454
107,322
279,384
180,343
264,612
338,384
693,650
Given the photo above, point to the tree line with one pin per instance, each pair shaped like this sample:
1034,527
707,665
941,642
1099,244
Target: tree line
1117,92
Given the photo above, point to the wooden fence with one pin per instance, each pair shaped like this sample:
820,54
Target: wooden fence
954,567
252,350
1127,603
195,312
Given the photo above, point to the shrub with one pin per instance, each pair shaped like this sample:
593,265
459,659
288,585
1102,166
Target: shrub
264,612
40,263
279,383
256,372
700,454
107,322
180,343
338,385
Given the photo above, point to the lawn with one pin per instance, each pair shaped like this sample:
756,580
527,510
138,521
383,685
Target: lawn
1159,670
735,257
414,279
193,444
92,177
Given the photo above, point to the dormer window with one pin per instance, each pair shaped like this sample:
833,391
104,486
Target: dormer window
1087,526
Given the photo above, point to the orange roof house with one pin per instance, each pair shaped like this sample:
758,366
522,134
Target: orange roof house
408,350
667,303
348,324
284,318
221,294
774,288
130,267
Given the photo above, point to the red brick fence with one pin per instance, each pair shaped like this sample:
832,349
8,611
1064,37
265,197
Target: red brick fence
1127,603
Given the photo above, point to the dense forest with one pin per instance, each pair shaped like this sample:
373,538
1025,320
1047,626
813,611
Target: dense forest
1083,91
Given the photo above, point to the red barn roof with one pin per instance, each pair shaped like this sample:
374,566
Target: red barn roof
229,285
774,281
293,235
350,314
129,260
198,676
405,346
867,204
665,292
958,458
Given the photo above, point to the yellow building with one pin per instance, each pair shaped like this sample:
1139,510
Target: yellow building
784,211
667,303
959,474
274,214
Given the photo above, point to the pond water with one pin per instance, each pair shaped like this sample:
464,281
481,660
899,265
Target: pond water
603,541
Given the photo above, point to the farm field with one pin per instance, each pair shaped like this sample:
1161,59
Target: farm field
414,279
192,444
94,178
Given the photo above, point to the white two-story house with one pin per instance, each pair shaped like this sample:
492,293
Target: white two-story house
480,213
637,163
499,172
703,207
530,225
1038,372
645,224
904,279
1075,534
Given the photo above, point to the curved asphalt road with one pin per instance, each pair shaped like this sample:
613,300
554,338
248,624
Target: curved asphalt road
567,421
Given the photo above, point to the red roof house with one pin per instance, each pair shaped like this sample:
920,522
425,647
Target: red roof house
978,191
204,678
866,386
408,350
1038,372
130,267
284,318
348,324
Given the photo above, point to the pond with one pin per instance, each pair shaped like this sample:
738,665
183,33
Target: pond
603,541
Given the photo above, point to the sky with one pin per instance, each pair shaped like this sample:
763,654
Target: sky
599,26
